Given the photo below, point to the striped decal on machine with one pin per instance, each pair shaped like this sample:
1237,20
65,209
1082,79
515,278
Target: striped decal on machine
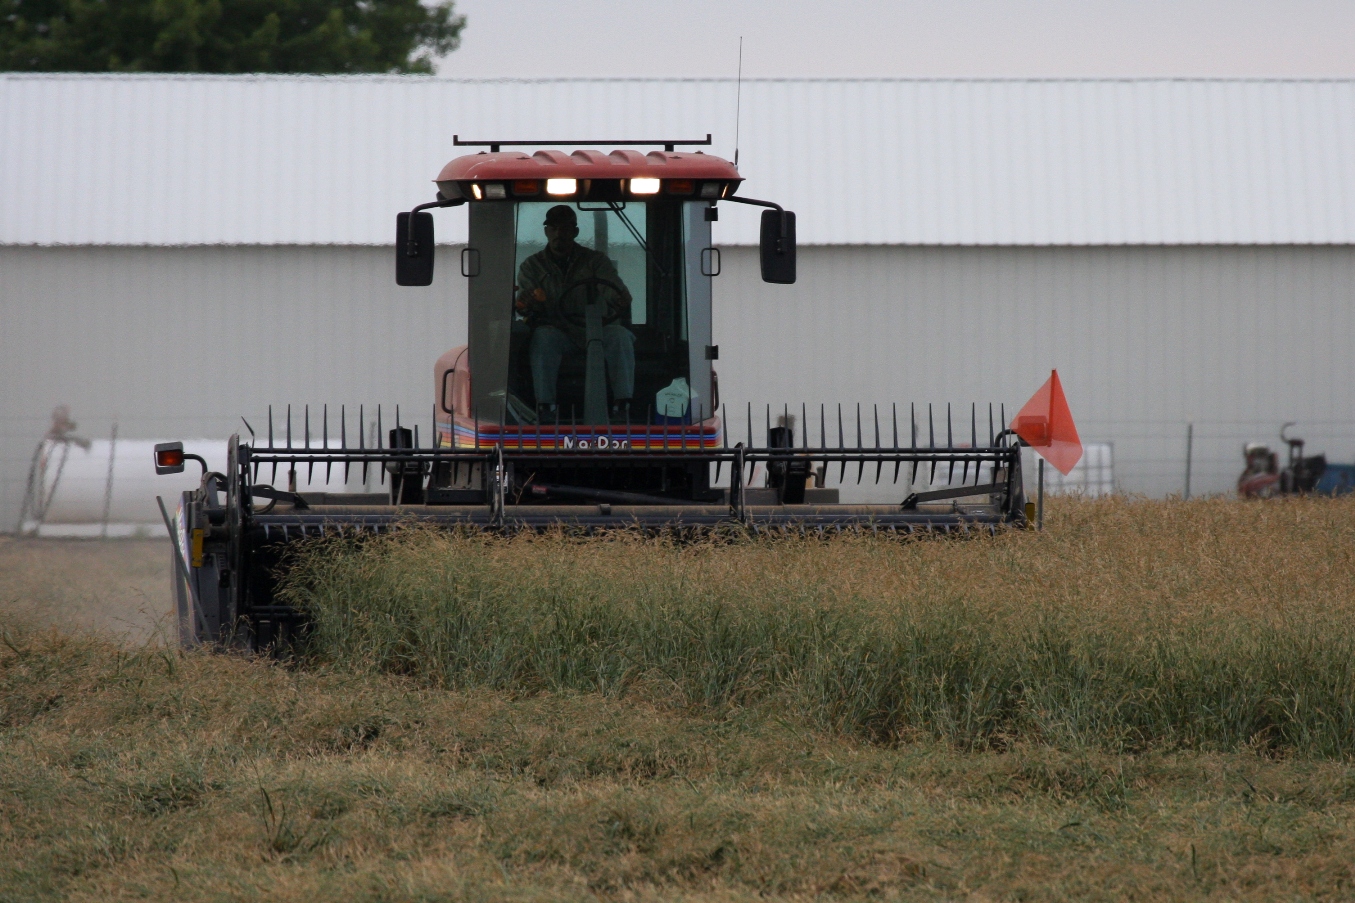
707,435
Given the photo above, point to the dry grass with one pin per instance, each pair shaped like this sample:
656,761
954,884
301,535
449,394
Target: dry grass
119,587
147,773
152,774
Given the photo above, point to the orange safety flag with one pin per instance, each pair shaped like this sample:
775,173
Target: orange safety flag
1047,426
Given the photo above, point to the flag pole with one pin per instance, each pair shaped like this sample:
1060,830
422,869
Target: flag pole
1039,500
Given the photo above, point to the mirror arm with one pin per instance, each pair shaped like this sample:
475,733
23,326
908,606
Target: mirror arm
412,250
777,207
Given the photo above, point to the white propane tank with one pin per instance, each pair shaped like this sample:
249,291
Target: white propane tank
76,490
107,487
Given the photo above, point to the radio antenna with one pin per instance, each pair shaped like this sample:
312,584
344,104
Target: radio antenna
738,103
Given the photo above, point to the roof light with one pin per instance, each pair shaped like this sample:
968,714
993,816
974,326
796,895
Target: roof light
561,186
710,189
526,186
476,192
681,186
644,186
495,191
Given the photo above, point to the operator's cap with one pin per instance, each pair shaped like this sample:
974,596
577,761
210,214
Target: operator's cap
561,215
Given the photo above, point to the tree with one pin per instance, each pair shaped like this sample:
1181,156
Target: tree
312,36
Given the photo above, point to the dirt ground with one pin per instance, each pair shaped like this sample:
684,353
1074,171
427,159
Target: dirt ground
117,587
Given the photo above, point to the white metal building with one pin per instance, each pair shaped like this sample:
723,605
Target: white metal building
176,251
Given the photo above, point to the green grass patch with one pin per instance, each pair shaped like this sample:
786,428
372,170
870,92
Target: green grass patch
1127,626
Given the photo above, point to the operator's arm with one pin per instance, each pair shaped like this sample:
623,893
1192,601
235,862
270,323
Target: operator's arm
531,294
620,302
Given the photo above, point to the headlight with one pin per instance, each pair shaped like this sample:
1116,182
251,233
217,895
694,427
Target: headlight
562,186
644,186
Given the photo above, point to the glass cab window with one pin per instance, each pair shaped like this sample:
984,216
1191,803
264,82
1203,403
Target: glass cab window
590,313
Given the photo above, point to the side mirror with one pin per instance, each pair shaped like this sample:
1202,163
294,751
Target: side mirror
778,247
414,249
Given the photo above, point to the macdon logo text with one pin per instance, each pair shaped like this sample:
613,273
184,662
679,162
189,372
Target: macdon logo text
600,443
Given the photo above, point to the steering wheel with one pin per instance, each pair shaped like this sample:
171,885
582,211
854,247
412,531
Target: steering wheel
574,312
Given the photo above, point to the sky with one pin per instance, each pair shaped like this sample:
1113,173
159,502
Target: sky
906,38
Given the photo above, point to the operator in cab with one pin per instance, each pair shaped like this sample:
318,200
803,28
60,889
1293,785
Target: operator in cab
554,287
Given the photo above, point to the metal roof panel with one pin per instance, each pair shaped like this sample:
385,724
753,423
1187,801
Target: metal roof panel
172,159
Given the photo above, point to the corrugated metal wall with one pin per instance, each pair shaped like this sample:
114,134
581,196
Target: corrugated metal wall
181,341
1146,339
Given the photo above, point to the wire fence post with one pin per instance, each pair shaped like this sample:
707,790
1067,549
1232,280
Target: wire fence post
108,482
1190,443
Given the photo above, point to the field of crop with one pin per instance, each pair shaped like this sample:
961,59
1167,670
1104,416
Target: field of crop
1150,700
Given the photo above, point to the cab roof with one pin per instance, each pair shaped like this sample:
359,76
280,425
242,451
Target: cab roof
588,164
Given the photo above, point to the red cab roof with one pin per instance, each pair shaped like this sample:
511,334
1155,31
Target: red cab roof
587,164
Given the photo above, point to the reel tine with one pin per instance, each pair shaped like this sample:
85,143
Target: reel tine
274,479
992,437
912,416
950,444
362,443
724,442
343,440
973,441
325,443
804,427
253,441
894,406
841,443
823,440
310,464
879,462
861,462
749,443
380,442
931,433
289,426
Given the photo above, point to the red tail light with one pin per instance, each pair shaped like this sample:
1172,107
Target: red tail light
169,457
